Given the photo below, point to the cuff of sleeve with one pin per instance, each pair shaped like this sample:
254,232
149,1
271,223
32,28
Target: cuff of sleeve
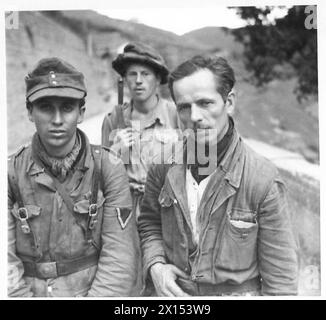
146,276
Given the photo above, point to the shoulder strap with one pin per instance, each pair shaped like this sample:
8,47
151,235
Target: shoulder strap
92,211
95,181
96,152
63,192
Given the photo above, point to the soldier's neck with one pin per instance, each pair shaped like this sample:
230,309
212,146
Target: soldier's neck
146,107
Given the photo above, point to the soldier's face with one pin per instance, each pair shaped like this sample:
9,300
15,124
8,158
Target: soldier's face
201,108
142,81
56,120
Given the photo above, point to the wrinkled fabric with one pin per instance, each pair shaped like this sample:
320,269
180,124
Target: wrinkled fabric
60,234
245,188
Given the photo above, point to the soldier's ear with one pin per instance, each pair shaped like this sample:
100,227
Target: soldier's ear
81,114
29,107
230,102
159,78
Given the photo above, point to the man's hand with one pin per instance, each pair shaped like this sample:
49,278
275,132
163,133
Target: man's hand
123,140
164,276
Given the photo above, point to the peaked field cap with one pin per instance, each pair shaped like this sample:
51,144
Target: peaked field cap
142,53
54,77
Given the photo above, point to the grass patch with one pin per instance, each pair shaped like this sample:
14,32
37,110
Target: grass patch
304,201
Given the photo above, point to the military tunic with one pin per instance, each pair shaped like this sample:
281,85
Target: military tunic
57,237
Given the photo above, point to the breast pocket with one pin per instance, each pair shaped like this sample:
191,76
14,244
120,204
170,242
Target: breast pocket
81,212
238,246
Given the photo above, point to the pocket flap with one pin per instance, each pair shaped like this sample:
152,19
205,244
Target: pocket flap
242,224
244,215
32,211
146,137
82,206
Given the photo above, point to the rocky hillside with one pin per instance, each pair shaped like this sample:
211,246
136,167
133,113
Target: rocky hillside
215,38
87,40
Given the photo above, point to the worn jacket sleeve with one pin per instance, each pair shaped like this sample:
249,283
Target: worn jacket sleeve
149,221
277,248
17,286
117,268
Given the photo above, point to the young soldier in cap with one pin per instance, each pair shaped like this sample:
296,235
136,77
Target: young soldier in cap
71,228
220,225
140,130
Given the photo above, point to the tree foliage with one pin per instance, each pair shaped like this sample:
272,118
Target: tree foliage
280,49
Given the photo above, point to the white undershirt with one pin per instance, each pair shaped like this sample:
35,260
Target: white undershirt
195,192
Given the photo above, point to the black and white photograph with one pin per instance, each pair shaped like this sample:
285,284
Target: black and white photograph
162,151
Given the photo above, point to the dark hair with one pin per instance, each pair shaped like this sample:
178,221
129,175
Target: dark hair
217,65
29,105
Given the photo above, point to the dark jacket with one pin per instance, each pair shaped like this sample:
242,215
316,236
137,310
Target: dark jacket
244,187
59,234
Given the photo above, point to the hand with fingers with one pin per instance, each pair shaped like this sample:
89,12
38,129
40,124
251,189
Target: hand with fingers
123,140
164,278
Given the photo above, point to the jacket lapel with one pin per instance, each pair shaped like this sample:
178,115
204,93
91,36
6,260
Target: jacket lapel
40,176
223,192
225,181
222,185
226,185
176,177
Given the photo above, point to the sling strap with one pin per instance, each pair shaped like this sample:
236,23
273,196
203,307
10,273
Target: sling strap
120,119
92,209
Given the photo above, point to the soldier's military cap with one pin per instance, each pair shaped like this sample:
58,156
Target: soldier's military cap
141,53
54,77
